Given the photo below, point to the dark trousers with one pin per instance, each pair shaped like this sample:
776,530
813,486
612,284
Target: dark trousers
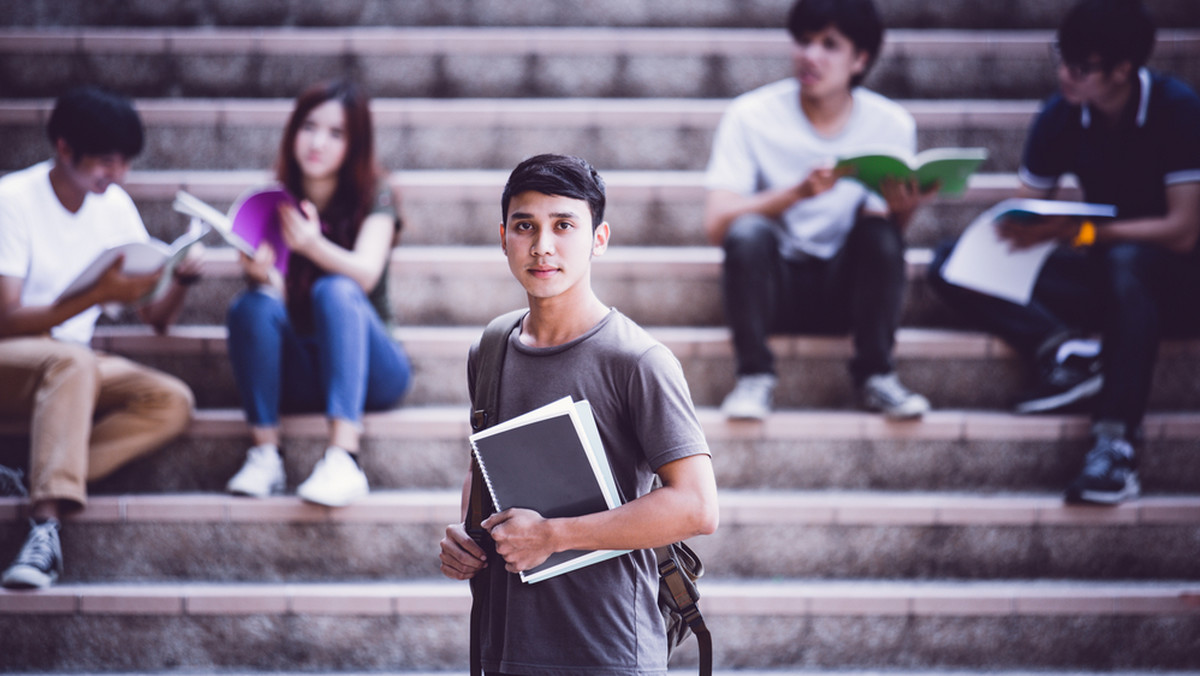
859,290
1131,294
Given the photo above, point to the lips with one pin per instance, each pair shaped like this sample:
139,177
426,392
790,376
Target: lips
543,271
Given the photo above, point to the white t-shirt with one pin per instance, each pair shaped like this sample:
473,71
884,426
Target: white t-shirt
765,142
47,246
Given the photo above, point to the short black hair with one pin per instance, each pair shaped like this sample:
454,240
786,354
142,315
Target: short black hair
561,175
1115,30
94,121
856,19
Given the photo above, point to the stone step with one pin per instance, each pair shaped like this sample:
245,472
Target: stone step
522,62
946,365
787,624
425,447
483,133
763,535
452,208
694,13
656,286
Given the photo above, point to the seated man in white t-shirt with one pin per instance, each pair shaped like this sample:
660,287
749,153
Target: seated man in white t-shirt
808,250
89,413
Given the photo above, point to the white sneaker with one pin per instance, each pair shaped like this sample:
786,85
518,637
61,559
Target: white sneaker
261,475
751,397
336,481
885,393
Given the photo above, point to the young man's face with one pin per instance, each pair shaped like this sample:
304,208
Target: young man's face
549,242
1088,82
93,173
824,62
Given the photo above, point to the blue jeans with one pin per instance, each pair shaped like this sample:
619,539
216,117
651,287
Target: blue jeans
1131,294
348,364
860,290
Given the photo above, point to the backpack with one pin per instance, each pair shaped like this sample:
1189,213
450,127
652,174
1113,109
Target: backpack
678,565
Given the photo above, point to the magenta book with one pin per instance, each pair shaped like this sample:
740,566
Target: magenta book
255,218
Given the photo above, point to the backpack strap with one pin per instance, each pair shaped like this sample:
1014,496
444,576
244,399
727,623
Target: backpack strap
678,568
485,406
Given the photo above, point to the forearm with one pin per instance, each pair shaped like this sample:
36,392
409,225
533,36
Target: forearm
163,312
722,208
38,320
1166,232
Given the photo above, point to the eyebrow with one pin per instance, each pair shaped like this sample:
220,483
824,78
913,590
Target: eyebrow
557,214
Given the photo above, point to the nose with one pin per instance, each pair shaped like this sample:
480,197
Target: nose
543,243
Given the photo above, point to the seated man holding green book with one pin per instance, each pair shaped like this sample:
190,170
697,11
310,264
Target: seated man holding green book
1132,138
807,248
602,618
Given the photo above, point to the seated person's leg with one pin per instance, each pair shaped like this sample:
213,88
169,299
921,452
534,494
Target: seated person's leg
750,278
52,384
868,277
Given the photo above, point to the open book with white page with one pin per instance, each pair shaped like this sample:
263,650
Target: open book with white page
983,262
549,460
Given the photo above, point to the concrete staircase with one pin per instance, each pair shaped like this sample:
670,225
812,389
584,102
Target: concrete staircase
847,543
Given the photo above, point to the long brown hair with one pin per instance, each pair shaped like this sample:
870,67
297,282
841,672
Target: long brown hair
357,182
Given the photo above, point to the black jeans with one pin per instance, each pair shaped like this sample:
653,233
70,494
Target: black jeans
1131,294
859,290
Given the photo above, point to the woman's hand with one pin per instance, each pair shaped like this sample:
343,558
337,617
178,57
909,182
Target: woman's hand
261,269
301,228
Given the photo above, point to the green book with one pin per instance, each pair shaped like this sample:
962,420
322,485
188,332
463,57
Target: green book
950,168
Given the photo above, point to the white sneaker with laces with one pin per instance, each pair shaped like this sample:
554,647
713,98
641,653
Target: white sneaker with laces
40,561
336,481
885,393
261,475
751,397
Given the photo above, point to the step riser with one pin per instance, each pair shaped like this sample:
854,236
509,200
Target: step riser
299,552
702,13
307,642
472,218
422,65
482,145
806,380
463,292
193,464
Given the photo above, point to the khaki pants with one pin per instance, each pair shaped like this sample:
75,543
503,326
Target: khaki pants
90,413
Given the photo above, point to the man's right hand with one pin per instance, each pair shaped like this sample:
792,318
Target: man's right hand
116,286
461,556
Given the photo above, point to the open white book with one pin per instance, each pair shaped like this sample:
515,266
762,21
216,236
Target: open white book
549,460
983,262
141,258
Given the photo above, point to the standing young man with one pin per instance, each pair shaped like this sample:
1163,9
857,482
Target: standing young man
1133,140
604,618
89,413
807,250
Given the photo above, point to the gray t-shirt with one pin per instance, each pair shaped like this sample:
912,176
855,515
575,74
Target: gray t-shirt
602,619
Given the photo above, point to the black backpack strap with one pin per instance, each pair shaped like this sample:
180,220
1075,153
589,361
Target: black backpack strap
679,577
484,413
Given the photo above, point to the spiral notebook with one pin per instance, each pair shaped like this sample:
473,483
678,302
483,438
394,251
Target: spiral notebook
550,460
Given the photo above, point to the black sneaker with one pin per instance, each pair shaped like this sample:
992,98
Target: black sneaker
12,484
40,561
1109,474
1074,380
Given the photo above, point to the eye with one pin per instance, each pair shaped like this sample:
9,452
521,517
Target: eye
564,225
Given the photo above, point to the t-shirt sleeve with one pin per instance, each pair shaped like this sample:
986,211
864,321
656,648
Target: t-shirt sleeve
1046,153
14,243
732,165
664,417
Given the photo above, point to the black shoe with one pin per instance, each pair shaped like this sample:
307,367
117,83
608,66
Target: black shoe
1109,474
1074,380
12,483
40,561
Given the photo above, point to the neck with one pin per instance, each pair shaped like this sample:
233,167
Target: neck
559,320
828,114
1108,109
319,191
68,194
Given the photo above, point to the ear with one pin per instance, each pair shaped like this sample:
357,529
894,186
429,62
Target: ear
1123,72
63,151
503,244
600,239
861,57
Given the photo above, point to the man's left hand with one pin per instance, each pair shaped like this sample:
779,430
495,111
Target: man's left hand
522,538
